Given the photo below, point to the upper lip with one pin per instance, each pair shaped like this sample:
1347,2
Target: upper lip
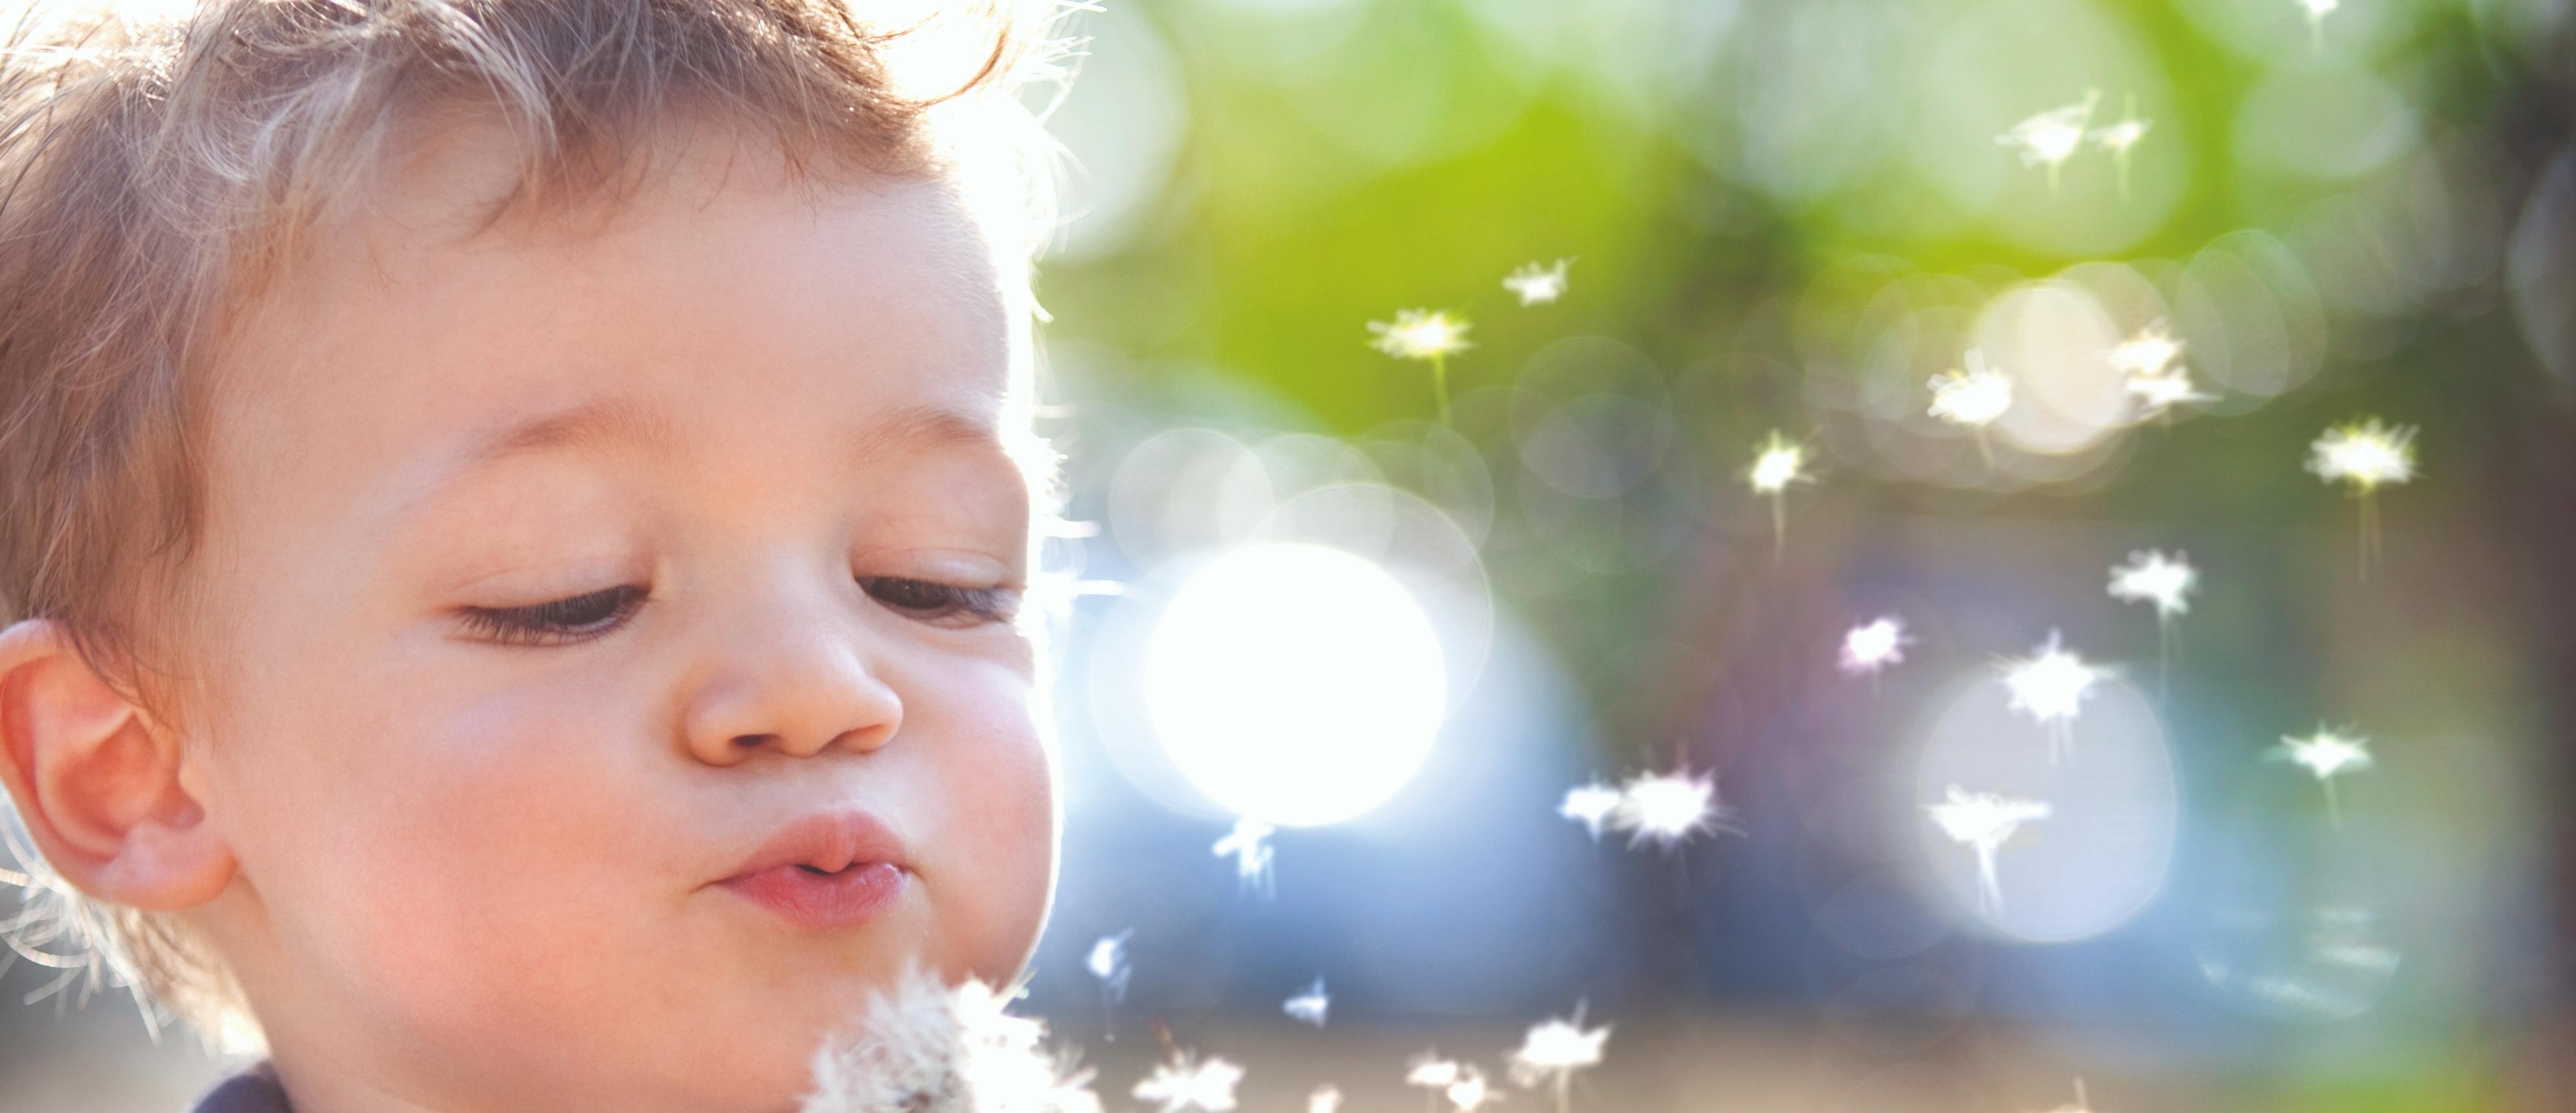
828,840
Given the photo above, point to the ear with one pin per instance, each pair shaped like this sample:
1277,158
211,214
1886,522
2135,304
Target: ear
97,782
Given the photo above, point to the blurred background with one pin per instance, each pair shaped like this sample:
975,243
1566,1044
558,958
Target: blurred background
1399,634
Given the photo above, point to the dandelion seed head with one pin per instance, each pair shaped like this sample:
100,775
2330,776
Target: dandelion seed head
2148,353
2051,683
1984,820
1780,463
1872,646
2365,455
1182,1083
1536,284
2327,753
1974,397
2050,137
1591,805
1420,334
2152,577
926,1045
1668,808
2318,9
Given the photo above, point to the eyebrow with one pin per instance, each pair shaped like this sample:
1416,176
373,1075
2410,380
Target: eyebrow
608,426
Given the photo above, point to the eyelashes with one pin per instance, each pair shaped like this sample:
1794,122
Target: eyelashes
563,621
581,618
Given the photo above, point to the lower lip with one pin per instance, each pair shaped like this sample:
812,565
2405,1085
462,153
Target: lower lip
827,900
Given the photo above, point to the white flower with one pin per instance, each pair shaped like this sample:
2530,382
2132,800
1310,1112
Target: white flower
1420,334
1181,1082
2364,456
2051,685
1309,1004
2049,138
1590,805
1536,284
1974,397
1668,808
1555,1049
923,1047
2152,577
1983,821
1872,646
1108,962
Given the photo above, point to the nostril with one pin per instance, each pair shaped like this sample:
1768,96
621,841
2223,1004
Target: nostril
753,741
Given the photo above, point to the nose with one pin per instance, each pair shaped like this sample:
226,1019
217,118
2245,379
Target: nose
793,676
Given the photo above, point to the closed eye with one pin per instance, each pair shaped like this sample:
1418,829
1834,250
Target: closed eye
941,604
561,622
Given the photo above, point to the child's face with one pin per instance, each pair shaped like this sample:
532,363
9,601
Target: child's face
475,874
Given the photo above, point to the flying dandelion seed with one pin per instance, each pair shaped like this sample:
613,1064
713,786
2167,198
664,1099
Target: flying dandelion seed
2159,394
2150,366
1426,335
2146,354
1182,1082
1470,1092
1536,284
2317,10
1590,805
2152,577
2119,137
1108,962
1872,646
1984,821
2082,1104
1669,808
1249,845
1780,463
1973,398
2327,754
2051,685
1309,1004
2050,138
1433,1073
2364,457
1555,1049
1325,1099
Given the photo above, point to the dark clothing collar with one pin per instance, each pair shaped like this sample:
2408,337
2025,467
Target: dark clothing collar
252,1091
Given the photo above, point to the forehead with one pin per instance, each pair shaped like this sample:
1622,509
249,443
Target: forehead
724,292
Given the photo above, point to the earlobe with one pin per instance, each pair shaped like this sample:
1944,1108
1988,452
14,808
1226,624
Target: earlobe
96,784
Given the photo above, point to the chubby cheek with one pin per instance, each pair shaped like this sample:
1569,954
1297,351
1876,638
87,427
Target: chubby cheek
472,870
998,805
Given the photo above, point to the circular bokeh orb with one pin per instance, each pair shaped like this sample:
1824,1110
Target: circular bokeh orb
1295,684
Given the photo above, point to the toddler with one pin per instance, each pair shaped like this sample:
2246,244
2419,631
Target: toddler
517,515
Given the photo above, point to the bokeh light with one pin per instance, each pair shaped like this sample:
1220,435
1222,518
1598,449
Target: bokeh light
1295,684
